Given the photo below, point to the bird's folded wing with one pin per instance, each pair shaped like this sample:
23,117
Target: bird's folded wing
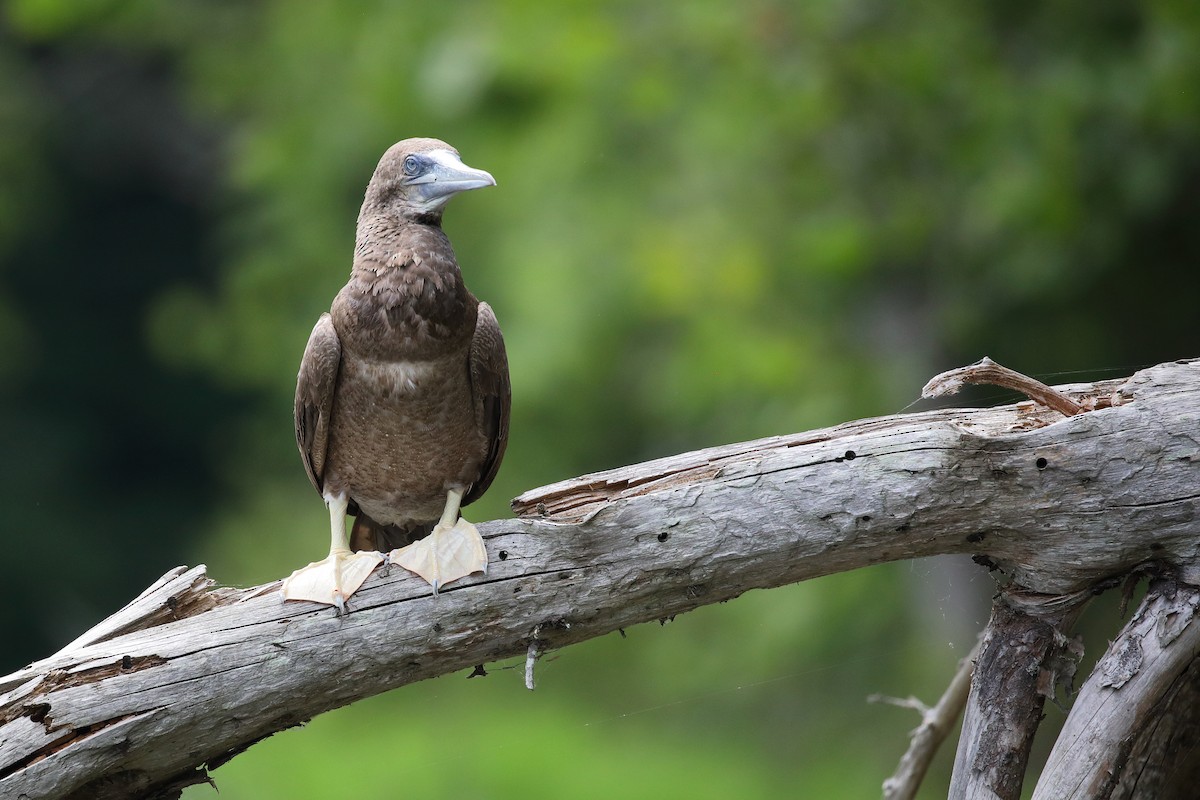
491,393
314,397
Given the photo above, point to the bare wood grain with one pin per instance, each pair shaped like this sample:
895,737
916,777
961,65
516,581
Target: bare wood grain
986,371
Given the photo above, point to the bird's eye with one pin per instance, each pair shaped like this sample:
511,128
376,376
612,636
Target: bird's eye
412,165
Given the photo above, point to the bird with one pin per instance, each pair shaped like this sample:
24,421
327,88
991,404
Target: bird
403,394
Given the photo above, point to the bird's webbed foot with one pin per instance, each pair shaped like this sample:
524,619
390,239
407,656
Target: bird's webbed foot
333,579
453,550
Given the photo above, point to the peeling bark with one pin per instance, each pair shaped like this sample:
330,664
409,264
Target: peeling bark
1023,656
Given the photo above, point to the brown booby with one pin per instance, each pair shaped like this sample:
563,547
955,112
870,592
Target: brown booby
402,400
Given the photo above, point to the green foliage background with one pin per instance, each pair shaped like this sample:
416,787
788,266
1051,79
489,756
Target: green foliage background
714,221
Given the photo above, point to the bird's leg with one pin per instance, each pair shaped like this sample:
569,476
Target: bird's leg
333,579
453,550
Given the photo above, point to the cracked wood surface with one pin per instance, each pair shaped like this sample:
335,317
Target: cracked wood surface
189,674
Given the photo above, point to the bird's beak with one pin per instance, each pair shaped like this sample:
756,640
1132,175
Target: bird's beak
448,177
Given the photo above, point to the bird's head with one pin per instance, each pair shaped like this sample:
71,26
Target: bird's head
417,177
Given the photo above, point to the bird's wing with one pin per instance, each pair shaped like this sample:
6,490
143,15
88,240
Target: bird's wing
492,395
314,397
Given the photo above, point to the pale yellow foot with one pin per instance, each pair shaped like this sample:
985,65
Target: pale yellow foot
333,579
337,576
449,553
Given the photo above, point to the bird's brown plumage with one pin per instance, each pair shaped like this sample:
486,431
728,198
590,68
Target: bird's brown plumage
403,392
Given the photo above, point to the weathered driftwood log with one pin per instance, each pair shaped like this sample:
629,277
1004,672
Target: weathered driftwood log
191,674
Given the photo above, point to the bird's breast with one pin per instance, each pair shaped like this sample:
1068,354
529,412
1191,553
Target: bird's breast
396,315
400,378
407,392
403,432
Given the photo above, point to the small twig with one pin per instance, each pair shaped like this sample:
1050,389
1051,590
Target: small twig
900,702
986,371
531,656
936,724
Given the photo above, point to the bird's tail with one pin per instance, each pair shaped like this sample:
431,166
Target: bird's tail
367,534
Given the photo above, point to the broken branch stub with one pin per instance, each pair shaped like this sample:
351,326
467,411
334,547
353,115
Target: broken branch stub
988,372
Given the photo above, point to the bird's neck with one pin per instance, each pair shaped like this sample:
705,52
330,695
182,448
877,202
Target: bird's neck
404,271
385,243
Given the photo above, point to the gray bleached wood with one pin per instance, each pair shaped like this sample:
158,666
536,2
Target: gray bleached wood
1058,503
1137,693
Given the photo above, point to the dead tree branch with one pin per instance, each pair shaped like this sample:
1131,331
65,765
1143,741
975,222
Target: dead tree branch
936,725
1023,656
190,674
1133,731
